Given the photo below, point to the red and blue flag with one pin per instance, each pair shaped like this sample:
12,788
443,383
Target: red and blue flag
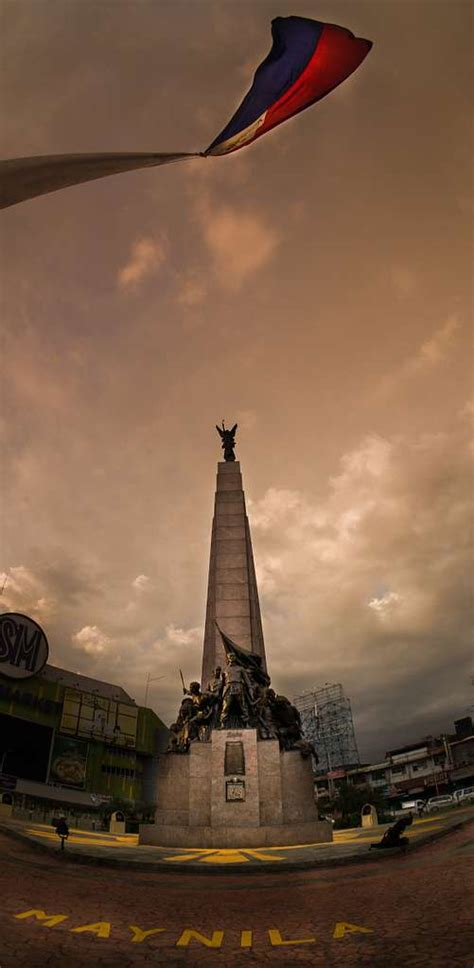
308,59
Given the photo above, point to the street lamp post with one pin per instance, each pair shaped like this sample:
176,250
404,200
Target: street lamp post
148,680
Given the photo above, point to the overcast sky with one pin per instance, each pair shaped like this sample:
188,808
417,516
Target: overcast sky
313,287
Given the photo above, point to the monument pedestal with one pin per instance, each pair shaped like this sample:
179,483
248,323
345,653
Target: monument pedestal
235,791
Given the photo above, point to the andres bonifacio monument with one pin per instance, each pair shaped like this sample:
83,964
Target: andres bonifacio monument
237,772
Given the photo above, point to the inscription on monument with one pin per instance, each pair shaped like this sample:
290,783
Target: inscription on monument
235,789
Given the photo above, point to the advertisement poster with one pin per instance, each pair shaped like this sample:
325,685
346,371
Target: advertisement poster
69,762
85,714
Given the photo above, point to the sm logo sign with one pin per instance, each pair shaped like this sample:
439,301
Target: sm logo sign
23,646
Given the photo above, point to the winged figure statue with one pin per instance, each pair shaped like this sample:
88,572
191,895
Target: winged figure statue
228,441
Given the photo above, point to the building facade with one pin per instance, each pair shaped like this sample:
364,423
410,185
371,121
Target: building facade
70,740
424,768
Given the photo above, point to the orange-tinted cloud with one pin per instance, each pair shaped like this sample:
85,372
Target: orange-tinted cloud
147,255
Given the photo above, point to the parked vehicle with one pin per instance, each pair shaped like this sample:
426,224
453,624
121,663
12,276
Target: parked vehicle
467,793
413,806
438,803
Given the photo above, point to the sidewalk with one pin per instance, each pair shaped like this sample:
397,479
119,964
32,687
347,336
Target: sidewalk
349,846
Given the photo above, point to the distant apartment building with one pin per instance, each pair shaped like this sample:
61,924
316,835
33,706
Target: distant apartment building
422,768
461,748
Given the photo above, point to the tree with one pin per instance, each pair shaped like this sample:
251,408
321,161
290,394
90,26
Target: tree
349,802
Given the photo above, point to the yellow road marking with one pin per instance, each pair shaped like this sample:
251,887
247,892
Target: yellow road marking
226,857
132,838
192,851
416,833
196,855
433,819
260,855
353,835
48,835
227,850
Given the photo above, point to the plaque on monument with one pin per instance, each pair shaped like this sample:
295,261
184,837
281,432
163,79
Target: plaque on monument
234,759
235,789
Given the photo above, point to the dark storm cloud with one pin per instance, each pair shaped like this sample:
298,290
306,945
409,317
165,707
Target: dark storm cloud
373,584
316,288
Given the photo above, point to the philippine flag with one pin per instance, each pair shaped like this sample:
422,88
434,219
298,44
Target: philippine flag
308,59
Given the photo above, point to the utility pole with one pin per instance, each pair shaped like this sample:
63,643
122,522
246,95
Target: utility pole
447,750
148,680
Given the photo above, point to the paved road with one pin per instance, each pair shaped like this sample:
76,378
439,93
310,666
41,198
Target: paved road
412,911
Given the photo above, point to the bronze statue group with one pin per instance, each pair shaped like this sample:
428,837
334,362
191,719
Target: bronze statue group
239,696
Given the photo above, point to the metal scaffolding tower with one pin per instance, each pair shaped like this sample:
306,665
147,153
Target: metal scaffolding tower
326,719
306,706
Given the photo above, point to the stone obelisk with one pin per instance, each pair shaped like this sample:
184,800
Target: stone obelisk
232,597
237,771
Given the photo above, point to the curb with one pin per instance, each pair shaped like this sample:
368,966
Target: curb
160,866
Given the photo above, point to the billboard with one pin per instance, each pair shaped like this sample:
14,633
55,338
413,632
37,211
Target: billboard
68,762
94,717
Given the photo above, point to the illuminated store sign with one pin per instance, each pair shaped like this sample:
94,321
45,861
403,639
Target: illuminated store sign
23,646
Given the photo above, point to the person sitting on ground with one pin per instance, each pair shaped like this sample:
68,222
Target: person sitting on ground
392,837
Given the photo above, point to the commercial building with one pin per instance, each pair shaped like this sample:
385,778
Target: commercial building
70,741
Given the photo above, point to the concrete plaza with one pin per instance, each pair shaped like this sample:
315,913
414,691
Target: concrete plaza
348,846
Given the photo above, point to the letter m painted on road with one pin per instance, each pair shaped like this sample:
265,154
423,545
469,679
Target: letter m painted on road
49,920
